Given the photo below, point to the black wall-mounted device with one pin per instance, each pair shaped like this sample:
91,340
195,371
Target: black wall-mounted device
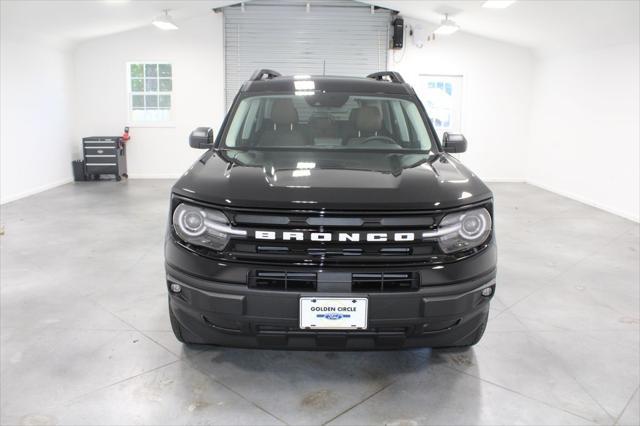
398,33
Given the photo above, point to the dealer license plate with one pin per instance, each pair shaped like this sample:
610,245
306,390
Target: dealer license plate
331,313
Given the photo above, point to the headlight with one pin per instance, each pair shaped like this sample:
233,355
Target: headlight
203,227
462,230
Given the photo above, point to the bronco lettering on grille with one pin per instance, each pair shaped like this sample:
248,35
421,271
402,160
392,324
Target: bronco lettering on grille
372,237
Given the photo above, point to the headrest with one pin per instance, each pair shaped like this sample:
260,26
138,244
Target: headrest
368,119
283,112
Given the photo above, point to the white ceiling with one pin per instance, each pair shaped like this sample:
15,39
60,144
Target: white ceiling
66,22
546,26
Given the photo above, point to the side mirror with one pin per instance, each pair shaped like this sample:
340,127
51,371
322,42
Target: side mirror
201,138
454,143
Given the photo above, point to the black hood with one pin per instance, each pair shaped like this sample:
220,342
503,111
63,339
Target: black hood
333,180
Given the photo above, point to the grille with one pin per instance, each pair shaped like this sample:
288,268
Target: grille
283,281
338,251
352,253
338,221
296,250
360,282
384,282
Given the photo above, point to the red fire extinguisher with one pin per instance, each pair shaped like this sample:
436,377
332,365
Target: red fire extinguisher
125,136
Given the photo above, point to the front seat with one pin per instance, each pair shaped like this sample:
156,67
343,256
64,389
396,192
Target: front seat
284,132
368,122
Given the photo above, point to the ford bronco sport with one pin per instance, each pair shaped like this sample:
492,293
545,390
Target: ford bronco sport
327,214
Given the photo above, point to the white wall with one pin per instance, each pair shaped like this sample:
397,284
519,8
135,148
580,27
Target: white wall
561,123
585,131
35,112
497,80
196,52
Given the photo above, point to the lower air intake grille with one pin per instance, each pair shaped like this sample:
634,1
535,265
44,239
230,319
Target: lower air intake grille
283,281
360,282
384,282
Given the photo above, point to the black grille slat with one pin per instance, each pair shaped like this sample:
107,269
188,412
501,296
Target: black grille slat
272,249
284,281
395,250
384,282
261,219
407,221
335,221
320,251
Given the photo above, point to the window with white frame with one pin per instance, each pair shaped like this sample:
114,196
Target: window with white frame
150,92
442,97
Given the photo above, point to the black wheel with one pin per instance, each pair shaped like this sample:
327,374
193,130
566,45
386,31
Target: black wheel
118,178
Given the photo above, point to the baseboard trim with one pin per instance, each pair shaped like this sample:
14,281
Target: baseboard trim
154,175
586,201
503,180
37,190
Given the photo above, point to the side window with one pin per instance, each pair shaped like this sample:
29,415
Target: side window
150,88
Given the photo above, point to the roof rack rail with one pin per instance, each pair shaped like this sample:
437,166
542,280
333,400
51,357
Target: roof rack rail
258,74
392,76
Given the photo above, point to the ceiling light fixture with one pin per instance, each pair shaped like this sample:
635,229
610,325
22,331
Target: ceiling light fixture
447,26
165,21
498,4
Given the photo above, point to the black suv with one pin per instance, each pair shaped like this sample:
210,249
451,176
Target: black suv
328,215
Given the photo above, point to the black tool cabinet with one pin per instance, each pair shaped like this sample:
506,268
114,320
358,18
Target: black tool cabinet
105,155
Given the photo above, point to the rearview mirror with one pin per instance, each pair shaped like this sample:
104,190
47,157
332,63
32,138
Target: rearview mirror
201,138
454,143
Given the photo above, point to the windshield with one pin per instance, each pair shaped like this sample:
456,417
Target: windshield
327,121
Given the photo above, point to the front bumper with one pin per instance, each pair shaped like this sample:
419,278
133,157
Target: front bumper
232,314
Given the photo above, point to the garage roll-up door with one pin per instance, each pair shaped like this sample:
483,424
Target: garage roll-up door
334,37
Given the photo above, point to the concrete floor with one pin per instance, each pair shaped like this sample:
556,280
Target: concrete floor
85,336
